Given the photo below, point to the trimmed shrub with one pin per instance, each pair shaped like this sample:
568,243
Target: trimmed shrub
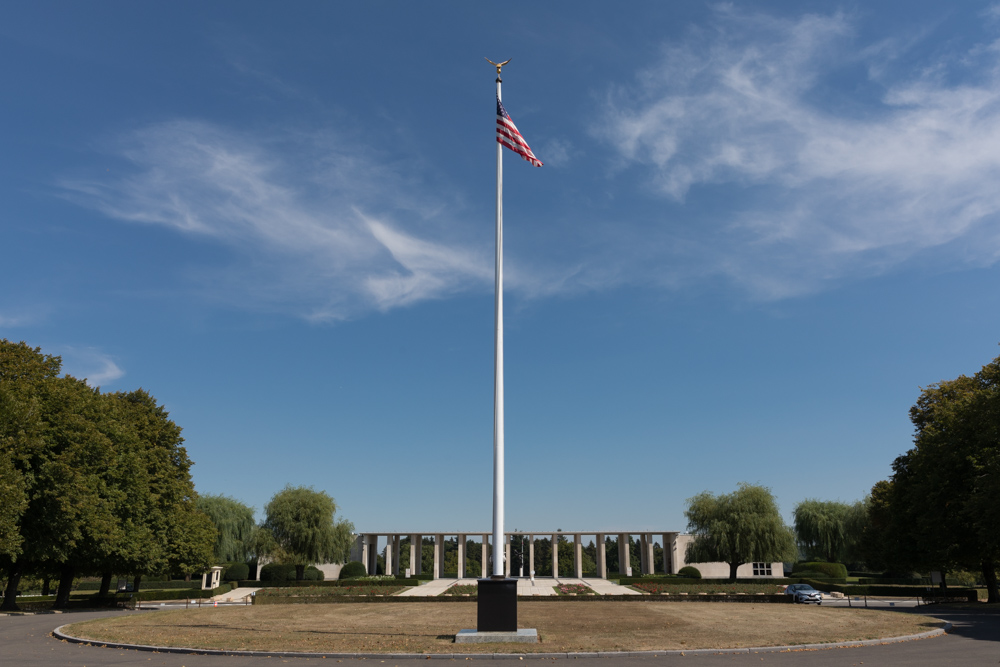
282,573
828,570
277,572
236,571
353,570
690,572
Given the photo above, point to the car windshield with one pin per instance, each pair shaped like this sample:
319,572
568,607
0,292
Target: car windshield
801,588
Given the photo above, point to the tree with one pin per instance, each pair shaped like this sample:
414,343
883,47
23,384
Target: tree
235,525
741,527
829,530
22,370
89,482
302,524
944,493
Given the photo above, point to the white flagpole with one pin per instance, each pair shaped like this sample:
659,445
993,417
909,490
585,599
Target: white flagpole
499,548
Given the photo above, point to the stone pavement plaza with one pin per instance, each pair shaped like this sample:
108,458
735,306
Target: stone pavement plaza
541,586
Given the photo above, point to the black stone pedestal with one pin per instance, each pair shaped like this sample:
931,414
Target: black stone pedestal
497,605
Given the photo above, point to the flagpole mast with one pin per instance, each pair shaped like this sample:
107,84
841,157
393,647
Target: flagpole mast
499,548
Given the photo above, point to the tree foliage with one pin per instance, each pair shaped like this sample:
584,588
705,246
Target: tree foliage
737,528
830,530
301,522
941,508
235,525
91,483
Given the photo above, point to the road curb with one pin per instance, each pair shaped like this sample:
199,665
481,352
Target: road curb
59,634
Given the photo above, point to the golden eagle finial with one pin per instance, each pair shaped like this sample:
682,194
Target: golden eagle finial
498,65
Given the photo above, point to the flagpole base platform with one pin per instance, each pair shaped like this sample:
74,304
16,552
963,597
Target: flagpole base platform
522,636
497,605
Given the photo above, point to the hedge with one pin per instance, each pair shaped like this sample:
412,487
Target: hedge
282,572
829,570
625,581
570,599
892,591
236,571
690,571
332,583
89,602
127,599
144,596
143,585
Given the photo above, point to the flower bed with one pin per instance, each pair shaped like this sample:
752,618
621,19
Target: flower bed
714,588
463,589
573,589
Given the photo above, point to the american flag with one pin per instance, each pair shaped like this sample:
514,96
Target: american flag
508,135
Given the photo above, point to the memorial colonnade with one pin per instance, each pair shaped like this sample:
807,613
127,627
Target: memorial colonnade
366,550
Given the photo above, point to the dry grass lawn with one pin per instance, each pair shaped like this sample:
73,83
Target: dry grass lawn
428,627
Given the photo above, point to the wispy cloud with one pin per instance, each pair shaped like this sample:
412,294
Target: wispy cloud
313,214
819,181
12,321
88,362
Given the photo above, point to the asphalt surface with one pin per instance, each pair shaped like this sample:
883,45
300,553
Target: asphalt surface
973,640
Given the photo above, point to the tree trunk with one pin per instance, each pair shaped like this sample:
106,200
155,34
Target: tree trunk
10,593
187,577
300,572
105,584
66,572
136,582
45,585
732,570
990,577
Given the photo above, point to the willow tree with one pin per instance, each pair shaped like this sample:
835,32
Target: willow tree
235,525
741,527
829,529
303,526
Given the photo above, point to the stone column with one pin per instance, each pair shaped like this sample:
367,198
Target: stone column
416,553
555,556
364,552
667,569
650,551
531,554
395,555
388,555
373,554
577,556
506,556
602,557
486,554
438,555
623,554
461,556
643,554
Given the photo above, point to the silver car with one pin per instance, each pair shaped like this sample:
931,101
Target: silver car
804,593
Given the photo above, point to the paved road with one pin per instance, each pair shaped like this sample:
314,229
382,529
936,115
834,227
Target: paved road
974,640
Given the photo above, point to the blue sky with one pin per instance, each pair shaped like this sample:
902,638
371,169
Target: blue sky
759,230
